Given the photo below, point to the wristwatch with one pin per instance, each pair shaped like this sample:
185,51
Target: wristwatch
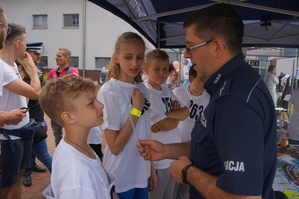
184,172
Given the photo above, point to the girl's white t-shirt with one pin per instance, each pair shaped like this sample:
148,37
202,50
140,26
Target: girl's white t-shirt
130,169
95,135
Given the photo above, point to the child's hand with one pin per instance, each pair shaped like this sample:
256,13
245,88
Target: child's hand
137,99
175,105
154,128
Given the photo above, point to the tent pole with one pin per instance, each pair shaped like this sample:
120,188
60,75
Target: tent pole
158,24
84,38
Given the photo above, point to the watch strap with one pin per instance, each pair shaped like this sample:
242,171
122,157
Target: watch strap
184,172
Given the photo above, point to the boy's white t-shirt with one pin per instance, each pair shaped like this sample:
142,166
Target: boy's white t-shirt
161,104
76,176
10,100
196,105
130,169
95,135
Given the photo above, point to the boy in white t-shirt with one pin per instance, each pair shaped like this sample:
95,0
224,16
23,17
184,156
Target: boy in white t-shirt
166,112
77,171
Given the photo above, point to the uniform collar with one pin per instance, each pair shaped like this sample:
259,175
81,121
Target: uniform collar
218,78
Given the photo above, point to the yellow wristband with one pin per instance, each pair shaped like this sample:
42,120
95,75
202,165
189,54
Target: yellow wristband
136,112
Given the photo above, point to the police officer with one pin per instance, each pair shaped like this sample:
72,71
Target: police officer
35,49
232,153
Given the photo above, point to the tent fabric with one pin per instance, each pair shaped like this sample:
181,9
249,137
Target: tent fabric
268,23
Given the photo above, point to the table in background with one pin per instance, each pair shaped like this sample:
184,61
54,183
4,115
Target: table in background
287,173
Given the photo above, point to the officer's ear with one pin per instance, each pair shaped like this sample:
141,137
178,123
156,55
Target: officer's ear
219,47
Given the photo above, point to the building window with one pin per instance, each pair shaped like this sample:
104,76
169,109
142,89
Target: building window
101,62
40,21
44,61
71,20
74,62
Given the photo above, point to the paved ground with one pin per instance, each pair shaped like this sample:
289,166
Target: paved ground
40,180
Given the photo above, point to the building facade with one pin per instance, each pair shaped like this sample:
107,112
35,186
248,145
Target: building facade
84,28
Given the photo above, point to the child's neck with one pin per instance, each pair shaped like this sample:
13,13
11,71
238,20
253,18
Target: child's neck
126,79
195,92
155,86
80,144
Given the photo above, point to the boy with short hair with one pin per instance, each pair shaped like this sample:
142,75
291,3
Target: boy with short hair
166,112
77,171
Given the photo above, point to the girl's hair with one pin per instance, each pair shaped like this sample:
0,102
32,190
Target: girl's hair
114,68
25,69
155,54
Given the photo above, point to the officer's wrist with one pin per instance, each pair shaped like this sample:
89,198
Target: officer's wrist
184,172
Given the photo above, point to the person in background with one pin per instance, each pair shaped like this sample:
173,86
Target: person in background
185,72
196,99
77,171
39,148
15,116
103,74
168,80
165,112
15,150
12,117
174,80
271,81
95,134
233,148
293,126
63,57
35,49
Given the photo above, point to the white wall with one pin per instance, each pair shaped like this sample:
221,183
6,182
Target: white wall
286,66
102,28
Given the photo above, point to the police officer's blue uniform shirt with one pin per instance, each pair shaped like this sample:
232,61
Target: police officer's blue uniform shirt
236,138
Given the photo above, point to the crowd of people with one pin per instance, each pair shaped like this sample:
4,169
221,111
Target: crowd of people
163,141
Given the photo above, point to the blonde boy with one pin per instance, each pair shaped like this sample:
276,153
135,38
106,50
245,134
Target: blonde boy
166,112
77,171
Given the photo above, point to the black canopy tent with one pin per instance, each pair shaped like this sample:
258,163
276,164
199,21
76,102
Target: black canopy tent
268,23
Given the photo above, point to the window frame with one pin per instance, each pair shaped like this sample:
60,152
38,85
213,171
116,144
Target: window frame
44,24
73,23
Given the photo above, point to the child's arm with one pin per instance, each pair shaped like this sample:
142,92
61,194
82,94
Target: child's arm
117,140
153,178
179,114
167,124
171,121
